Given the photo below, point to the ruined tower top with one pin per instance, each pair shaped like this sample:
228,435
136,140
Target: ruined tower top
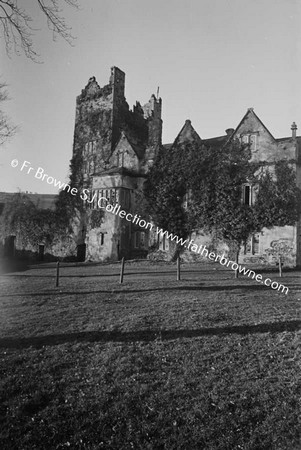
117,81
153,108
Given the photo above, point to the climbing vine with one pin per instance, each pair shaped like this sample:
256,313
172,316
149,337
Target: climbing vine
31,224
96,218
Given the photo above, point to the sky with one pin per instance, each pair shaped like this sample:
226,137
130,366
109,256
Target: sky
211,59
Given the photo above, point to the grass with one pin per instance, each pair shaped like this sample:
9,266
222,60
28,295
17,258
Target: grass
206,363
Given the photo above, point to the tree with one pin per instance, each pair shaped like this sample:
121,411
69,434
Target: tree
164,189
217,201
220,182
17,32
17,28
7,129
167,183
242,197
280,250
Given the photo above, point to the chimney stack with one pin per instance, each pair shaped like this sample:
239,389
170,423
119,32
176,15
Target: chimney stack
229,131
294,130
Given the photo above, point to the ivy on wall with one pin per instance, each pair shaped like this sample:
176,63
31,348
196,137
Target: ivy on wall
31,224
96,218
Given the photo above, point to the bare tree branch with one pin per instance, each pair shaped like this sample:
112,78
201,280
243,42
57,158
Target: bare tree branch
7,129
17,30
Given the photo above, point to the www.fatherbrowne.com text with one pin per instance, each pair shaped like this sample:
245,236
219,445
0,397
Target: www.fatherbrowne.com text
103,203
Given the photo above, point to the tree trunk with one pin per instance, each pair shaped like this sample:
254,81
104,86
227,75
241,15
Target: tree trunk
280,266
176,253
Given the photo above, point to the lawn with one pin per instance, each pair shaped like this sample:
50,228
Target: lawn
208,362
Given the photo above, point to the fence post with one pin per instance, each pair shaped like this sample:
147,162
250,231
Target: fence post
121,271
178,269
57,273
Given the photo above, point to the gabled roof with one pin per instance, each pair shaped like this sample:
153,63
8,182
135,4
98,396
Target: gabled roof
250,111
221,141
187,133
138,150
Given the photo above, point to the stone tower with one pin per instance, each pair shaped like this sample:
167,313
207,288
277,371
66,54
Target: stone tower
116,146
102,115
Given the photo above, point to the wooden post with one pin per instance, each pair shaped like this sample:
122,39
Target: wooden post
57,273
280,265
236,260
178,269
121,271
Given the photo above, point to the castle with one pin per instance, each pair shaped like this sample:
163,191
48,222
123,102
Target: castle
116,146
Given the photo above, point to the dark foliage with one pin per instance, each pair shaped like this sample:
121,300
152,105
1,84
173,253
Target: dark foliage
214,179
31,224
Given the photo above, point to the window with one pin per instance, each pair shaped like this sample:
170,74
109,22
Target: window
142,239
120,158
253,141
90,147
186,199
247,197
102,194
164,243
136,239
126,198
250,139
113,196
102,238
245,139
247,194
89,152
139,239
95,199
252,245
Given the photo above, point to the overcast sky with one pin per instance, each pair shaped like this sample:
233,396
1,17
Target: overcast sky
212,59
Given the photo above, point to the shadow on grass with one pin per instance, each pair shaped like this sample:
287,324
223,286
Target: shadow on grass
147,335
9,266
57,293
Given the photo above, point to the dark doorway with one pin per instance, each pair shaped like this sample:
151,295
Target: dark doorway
10,246
81,252
41,252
